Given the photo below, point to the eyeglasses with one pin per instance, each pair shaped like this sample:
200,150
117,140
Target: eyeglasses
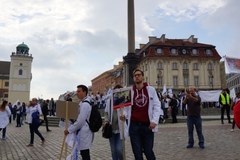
137,75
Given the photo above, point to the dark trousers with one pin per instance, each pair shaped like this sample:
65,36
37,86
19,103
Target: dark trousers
3,132
10,119
34,129
165,111
197,122
174,115
46,121
227,108
142,139
85,154
18,120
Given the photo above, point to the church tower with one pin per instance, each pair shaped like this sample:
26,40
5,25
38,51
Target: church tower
20,75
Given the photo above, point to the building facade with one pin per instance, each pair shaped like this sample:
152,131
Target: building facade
180,63
176,63
108,79
4,79
17,79
233,81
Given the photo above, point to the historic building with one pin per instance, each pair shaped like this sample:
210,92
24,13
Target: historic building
15,76
176,63
180,63
4,79
107,79
233,81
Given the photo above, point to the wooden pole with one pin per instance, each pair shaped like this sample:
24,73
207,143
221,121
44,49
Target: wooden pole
66,127
123,137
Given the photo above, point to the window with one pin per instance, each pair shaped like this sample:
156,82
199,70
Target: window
174,66
159,51
5,95
159,80
20,72
194,51
208,52
210,66
185,65
196,81
195,66
174,51
175,81
185,81
6,84
20,64
159,65
210,81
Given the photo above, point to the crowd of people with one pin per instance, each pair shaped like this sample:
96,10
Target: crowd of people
148,108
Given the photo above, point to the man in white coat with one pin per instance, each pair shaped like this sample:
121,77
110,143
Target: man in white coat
146,110
81,127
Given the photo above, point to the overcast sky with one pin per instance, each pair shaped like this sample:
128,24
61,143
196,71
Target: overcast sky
74,41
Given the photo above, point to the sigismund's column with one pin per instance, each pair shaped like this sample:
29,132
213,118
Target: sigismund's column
131,60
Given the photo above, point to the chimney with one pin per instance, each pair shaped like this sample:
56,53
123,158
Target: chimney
162,38
141,45
152,39
192,39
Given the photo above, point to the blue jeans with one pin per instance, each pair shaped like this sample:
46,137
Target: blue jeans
116,147
197,121
142,139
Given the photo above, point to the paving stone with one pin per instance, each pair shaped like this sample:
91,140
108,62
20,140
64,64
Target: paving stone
170,144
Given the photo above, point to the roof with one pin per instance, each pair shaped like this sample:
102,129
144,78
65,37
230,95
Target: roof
150,49
22,46
4,67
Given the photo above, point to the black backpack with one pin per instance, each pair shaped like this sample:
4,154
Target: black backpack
95,120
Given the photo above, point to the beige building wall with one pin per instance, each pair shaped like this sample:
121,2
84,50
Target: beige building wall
151,71
20,78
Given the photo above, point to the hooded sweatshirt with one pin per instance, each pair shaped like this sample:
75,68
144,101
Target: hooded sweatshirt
140,105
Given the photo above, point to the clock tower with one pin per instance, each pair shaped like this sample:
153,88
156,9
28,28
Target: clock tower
20,74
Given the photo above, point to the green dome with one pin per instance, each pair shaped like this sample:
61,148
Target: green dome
22,49
22,46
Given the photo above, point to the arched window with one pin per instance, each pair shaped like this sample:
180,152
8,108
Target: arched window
20,72
185,65
210,66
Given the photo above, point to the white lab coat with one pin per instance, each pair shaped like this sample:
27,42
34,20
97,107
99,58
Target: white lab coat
86,135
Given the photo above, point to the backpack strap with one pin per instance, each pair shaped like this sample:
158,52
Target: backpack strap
90,105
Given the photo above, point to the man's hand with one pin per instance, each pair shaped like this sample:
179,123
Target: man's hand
152,125
122,117
66,132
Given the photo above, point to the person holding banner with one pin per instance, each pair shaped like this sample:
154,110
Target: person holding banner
111,117
145,113
84,138
4,118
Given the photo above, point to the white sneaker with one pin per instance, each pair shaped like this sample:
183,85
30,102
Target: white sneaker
232,130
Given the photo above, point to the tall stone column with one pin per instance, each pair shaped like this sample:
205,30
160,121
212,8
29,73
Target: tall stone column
131,59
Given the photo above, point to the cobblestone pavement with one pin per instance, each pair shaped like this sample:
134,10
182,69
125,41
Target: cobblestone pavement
170,143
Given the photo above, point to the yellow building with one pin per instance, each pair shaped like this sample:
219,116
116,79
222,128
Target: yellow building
180,63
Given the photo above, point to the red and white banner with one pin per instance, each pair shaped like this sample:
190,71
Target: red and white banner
233,65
